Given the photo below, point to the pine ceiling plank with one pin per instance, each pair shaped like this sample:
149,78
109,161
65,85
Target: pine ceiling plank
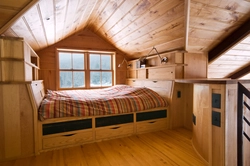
167,17
111,7
71,13
133,14
163,10
204,34
211,25
226,57
214,13
48,20
229,62
60,15
34,23
120,13
25,8
85,18
19,28
202,44
240,73
232,5
100,6
238,52
168,32
242,46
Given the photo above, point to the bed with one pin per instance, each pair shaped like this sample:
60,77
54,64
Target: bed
74,117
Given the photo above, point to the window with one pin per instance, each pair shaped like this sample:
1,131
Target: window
84,69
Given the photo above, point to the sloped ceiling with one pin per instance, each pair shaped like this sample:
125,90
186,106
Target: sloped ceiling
134,26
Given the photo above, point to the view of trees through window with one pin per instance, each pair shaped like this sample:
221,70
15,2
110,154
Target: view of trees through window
72,69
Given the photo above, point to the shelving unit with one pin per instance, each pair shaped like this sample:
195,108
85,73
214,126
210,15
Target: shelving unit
18,62
154,70
19,88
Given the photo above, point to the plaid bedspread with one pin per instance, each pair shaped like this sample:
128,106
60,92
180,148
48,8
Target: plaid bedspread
113,100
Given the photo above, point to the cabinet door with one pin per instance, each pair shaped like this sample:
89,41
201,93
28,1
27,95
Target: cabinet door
16,122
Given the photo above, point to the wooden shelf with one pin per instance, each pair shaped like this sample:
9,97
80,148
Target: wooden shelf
18,62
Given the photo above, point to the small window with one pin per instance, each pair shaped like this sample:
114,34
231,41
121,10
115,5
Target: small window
100,70
71,70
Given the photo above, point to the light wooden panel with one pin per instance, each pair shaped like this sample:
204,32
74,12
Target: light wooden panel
83,40
202,129
132,26
215,18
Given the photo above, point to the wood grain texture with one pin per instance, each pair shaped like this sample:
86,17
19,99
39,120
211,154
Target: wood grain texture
133,26
166,147
84,40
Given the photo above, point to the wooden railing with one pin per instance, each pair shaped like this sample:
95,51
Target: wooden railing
243,95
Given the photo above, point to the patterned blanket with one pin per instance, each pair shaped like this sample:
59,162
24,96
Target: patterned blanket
113,100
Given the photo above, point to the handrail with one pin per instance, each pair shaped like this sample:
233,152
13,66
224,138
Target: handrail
240,119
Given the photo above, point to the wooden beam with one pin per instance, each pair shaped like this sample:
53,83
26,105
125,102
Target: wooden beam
229,41
240,73
17,16
187,16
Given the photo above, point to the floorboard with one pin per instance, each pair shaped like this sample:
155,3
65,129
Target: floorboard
166,147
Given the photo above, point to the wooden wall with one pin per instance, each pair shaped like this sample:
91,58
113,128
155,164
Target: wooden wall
84,39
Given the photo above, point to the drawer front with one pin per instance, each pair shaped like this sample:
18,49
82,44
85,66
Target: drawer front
162,73
151,125
67,139
135,82
114,131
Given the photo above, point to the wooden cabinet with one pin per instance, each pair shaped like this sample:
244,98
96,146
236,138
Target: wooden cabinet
17,121
215,119
18,109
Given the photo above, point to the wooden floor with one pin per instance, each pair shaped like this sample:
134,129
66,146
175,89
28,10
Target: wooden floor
168,147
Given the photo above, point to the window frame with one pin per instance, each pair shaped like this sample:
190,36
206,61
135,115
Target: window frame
86,67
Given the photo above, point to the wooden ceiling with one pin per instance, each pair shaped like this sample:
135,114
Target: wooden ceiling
135,26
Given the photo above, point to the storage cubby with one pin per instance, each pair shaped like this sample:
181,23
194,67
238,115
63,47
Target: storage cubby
154,69
18,62
20,90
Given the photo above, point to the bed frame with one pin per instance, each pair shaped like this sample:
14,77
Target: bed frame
71,131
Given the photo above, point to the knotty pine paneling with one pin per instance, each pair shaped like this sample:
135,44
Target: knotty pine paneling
85,39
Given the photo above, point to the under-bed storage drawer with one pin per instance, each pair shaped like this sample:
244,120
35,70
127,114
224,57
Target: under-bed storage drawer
62,134
114,131
151,125
60,127
151,121
114,126
72,138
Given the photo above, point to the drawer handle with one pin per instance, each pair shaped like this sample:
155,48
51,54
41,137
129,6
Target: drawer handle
68,135
154,81
133,80
115,127
152,122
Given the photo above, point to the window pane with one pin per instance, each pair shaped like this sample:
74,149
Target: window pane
95,79
65,79
64,60
106,62
95,62
78,78
78,61
106,78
